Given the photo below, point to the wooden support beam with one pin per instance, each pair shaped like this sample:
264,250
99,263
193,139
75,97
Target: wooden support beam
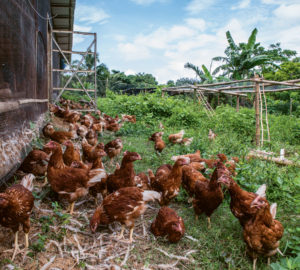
70,70
274,82
237,103
257,119
269,157
72,52
73,89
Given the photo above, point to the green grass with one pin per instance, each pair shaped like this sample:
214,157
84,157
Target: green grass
222,246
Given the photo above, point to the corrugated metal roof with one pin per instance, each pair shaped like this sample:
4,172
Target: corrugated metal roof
63,13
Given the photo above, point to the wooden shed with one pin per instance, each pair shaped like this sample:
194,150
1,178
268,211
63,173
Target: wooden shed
25,75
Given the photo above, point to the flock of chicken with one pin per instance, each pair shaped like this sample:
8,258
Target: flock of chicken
73,174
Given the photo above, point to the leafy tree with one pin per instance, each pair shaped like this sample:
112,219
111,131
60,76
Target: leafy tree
241,59
103,75
204,74
185,81
170,83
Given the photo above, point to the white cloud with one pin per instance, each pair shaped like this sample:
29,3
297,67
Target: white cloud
241,5
290,13
195,6
89,14
147,2
196,23
133,52
82,28
279,2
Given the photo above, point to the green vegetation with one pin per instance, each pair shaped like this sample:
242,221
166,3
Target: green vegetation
222,246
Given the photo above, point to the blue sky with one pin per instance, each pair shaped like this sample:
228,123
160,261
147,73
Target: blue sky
160,36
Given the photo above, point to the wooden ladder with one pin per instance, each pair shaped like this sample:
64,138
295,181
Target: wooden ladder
264,123
203,101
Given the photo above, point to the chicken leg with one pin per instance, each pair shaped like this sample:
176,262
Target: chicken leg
26,240
269,261
72,208
45,180
254,263
122,232
209,224
196,217
131,234
16,245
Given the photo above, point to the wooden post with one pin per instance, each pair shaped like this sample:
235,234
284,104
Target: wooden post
257,133
237,103
218,98
291,105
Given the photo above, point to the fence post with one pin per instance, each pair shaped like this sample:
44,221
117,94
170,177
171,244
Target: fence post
237,103
257,133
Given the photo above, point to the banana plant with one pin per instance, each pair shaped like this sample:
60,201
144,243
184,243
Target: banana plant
241,60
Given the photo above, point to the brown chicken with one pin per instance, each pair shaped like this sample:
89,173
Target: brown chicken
36,163
72,183
142,181
167,181
208,196
113,149
101,186
87,121
91,153
82,130
187,141
159,143
72,117
57,111
168,223
92,137
196,157
263,232
128,118
124,206
71,153
240,204
199,166
16,204
189,178
176,138
123,177
114,127
231,165
60,136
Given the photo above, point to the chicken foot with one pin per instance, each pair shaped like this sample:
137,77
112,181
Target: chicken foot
72,208
254,263
131,234
209,223
122,233
26,241
45,180
16,249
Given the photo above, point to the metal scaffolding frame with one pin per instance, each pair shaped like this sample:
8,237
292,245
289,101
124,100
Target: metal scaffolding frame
92,49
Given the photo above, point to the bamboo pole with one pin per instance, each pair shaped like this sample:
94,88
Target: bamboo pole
267,157
257,133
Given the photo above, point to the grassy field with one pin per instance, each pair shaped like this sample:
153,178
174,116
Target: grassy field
220,247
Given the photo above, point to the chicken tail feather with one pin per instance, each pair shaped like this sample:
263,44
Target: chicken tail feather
150,195
262,191
27,181
96,176
273,210
279,251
